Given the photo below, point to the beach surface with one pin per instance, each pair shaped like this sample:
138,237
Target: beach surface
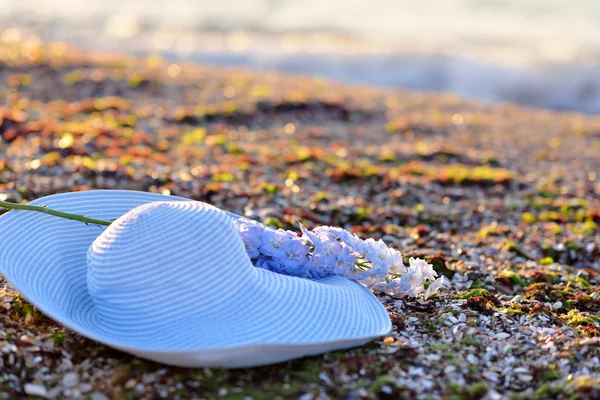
502,199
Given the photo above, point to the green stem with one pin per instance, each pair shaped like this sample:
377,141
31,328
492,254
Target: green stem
46,210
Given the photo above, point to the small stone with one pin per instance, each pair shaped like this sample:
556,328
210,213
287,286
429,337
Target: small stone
98,396
55,392
25,339
462,318
525,378
590,247
557,305
502,335
222,392
70,379
325,378
386,389
85,387
35,390
8,348
490,376
449,369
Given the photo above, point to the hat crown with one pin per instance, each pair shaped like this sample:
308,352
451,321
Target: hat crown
161,262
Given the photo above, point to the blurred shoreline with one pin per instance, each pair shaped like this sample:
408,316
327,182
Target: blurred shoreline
548,56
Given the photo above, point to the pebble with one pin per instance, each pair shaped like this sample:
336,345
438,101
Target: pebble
70,379
472,359
35,390
525,378
85,387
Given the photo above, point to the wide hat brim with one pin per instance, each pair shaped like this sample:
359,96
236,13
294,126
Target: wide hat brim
44,258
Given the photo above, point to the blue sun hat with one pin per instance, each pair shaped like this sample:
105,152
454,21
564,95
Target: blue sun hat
170,280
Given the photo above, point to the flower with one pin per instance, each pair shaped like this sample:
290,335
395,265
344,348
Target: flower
426,269
344,264
265,262
411,283
250,232
315,271
272,242
378,254
327,251
310,237
296,255
249,225
434,287
356,243
397,263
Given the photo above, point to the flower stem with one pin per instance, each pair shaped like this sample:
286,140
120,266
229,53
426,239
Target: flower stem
46,210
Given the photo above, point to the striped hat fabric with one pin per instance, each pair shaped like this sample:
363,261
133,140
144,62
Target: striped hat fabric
170,281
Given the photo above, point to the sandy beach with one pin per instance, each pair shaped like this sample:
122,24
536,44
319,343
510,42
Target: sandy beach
502,199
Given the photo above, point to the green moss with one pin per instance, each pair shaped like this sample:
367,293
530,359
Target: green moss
439,347
547,261
548,391
223,177
517,310
58,339
477,390
273,222
321,196
361,213
581,280
469,341
528,218
387,156
551,216
440,266
455,388
491,230
514,277
549,374
576,318
555,228
473,293
587,228
270,188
